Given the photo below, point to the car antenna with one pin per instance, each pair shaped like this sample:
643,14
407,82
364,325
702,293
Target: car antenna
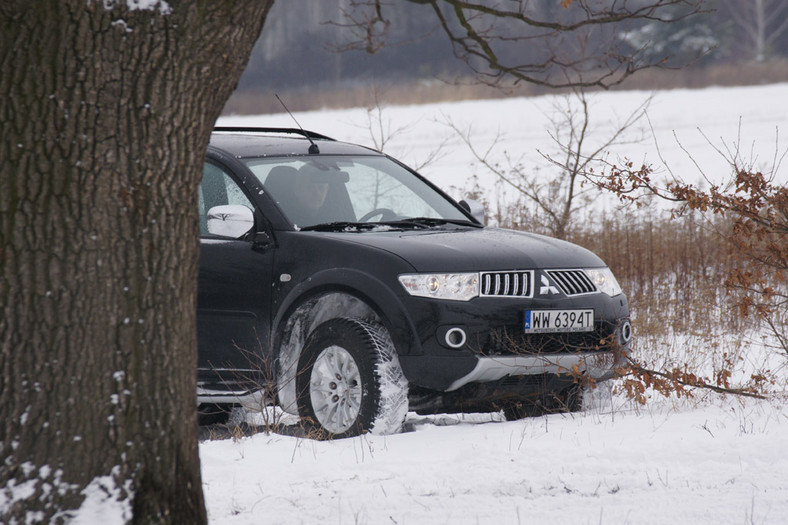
313,149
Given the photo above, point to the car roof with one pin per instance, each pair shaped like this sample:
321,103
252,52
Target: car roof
266,142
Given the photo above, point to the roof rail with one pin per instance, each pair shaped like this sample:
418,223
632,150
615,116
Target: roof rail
293,131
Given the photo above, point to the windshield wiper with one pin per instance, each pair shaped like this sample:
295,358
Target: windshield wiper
433,221
409,223
337,226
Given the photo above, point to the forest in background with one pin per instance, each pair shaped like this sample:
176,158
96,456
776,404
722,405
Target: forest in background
306,55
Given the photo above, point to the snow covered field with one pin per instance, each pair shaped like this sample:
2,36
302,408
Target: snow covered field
724,463
684,127
712,460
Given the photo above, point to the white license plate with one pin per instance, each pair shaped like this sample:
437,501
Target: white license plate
537,321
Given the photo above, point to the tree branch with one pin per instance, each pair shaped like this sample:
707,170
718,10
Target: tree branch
686,379
575,43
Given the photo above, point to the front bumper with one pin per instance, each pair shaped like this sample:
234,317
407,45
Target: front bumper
544,380
494,345
598,366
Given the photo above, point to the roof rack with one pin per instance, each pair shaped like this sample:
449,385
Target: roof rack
294,131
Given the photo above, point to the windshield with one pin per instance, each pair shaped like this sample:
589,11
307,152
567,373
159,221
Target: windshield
326,190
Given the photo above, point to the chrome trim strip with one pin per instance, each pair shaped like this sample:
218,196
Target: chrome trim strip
248,398
597,365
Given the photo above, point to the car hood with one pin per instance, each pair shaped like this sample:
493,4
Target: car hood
484,249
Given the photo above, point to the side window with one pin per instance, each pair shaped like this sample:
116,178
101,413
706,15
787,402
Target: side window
217,189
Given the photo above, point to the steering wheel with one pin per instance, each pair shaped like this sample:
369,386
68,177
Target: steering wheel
386,214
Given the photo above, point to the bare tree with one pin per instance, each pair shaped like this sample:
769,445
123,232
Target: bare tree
543,42
106,109
556,198
382,132
762,21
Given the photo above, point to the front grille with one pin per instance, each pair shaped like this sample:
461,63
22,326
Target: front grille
572,282
507,284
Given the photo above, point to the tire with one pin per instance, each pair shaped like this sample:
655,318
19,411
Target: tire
350,381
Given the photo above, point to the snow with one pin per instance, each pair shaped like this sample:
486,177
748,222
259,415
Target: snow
393,386
104,503
139,5
148,5
722,463
708,459
687,128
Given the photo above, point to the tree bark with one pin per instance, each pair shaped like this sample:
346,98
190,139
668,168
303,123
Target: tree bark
106,108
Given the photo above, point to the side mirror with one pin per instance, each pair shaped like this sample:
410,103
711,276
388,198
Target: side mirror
230,220
475,208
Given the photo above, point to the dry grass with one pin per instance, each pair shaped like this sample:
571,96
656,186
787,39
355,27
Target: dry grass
673,270
430,91
420,92
688,324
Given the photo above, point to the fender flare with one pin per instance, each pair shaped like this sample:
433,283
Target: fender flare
331,294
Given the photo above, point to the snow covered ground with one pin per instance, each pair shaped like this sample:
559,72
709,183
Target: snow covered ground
710,460
723,463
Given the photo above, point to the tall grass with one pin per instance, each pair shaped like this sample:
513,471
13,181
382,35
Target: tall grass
673,270
362,92
687,323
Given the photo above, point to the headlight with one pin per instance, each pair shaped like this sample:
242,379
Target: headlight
604,281
451,286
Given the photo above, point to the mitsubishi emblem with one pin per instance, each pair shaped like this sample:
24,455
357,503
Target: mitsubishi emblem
546,287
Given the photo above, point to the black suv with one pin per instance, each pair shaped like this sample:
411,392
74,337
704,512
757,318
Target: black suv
344,286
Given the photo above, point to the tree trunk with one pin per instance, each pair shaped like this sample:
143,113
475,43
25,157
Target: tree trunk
762,21
106,108
760,30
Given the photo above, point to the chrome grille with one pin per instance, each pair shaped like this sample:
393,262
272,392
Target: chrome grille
507,284
572,282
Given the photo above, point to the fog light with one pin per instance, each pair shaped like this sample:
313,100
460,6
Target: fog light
626,332
455,337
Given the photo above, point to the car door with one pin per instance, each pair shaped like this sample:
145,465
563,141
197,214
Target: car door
233,302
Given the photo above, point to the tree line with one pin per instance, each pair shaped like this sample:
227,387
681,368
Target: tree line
316,44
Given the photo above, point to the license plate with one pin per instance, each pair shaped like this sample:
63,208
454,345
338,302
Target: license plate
537,321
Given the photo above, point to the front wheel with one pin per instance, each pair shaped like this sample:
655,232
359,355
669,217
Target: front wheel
350,381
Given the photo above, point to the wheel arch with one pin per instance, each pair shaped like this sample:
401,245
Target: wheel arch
330,295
